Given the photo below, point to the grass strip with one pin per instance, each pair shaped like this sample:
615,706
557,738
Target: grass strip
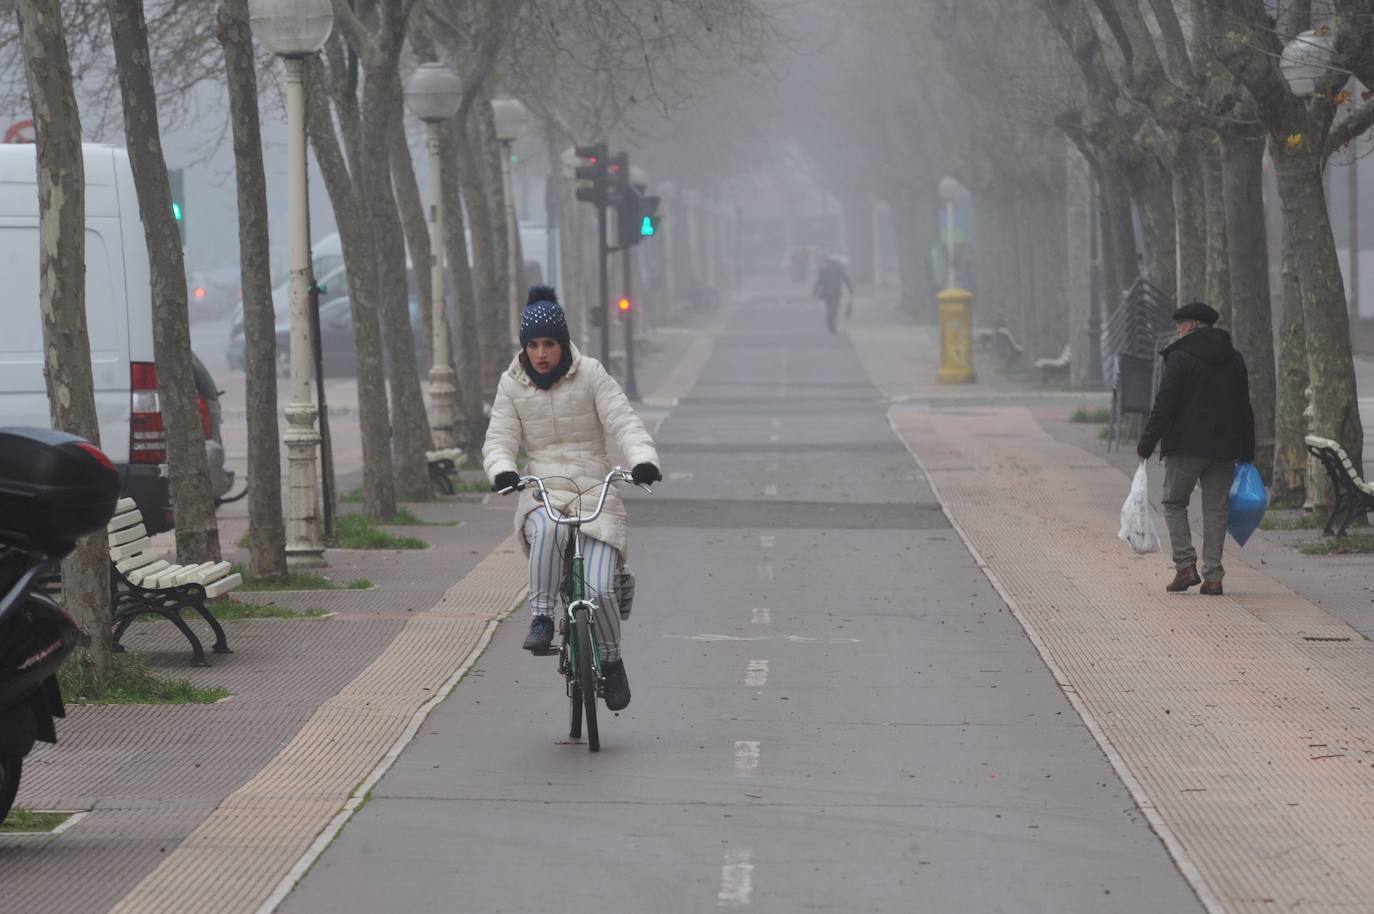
1085,416
130,683
1292,522
26,820
357,531
227,609
1357,544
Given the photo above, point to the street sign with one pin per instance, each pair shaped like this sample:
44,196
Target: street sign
20,132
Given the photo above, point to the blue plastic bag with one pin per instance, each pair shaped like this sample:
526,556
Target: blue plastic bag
1247,503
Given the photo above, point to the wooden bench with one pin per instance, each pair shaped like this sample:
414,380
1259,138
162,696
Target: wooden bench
1354,496
443,466
143,582
1051,367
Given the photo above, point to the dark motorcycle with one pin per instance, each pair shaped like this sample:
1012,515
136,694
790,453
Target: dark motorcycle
54,487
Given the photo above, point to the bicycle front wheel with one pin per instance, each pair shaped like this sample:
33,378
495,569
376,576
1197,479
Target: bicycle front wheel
586,678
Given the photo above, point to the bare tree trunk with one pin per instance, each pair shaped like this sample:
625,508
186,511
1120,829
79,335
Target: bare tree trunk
197,533
62,297
1156,202
467,357
266,526
379,485
1119,265
1252,322
492,328
490,151
416,228
1219,290
1193,216
1330,361
1289,488
409,424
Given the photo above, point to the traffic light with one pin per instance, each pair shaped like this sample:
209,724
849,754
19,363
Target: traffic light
637,217
594,171
174,177
648,211
623,306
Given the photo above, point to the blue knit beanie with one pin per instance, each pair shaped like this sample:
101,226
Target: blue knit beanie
543,317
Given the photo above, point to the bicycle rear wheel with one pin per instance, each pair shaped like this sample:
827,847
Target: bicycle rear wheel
586,678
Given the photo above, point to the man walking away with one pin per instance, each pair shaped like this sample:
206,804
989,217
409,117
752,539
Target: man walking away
831,281
1203,422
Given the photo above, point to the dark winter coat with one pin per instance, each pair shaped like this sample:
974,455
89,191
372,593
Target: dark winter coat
831,281
1203,406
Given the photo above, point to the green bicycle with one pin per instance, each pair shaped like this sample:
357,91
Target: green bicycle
579,658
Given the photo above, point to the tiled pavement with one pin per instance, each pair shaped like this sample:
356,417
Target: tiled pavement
1243,725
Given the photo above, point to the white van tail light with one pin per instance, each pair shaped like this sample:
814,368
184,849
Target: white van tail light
147,438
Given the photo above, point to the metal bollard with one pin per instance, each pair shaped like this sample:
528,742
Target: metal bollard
956,337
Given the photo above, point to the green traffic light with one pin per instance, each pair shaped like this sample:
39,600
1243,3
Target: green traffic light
176,211
647,227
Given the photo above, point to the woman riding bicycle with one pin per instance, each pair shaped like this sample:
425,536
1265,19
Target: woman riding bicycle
561,407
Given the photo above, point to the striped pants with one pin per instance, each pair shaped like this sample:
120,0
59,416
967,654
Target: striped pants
548,541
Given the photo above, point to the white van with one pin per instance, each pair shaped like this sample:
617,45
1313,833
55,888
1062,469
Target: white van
119,319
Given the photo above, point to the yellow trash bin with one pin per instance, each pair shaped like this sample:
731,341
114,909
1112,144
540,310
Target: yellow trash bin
956,337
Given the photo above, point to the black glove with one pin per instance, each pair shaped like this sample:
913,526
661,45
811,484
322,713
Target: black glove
506,480
645,473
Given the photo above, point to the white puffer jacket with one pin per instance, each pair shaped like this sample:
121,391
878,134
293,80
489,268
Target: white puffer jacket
564,431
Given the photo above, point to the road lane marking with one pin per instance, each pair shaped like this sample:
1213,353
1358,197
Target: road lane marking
770,489
736,879
746,755
765,572
766,542
680,477
756,674
762,615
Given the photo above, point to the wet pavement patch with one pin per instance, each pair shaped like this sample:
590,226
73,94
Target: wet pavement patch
805,515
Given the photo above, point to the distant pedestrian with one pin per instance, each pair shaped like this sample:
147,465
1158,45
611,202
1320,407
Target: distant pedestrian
831,281
1203,422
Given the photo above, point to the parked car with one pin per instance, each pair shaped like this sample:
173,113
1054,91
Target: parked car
119,321
207,399
336,339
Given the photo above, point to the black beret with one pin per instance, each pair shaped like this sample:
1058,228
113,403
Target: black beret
1197,311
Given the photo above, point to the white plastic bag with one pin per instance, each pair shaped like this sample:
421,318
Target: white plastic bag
1137,523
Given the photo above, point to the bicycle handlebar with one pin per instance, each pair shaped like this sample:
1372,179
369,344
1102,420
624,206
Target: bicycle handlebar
617,474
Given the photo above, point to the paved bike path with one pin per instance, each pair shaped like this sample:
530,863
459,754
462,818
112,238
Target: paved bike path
833,710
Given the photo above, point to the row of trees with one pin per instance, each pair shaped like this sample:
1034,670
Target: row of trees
1169,115
582,66
1174,106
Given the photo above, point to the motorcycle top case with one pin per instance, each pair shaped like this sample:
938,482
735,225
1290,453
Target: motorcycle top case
54,487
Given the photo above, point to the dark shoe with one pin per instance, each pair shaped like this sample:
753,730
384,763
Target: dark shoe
1211,588
1185,578
617,686
541,634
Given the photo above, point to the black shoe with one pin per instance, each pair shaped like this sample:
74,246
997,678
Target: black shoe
617,686
1183,579
541,634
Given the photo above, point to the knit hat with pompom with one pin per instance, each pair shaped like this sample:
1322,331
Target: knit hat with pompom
543,317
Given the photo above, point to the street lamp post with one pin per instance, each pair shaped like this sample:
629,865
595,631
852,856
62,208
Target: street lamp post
951,191
433,94
511,118
295,30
